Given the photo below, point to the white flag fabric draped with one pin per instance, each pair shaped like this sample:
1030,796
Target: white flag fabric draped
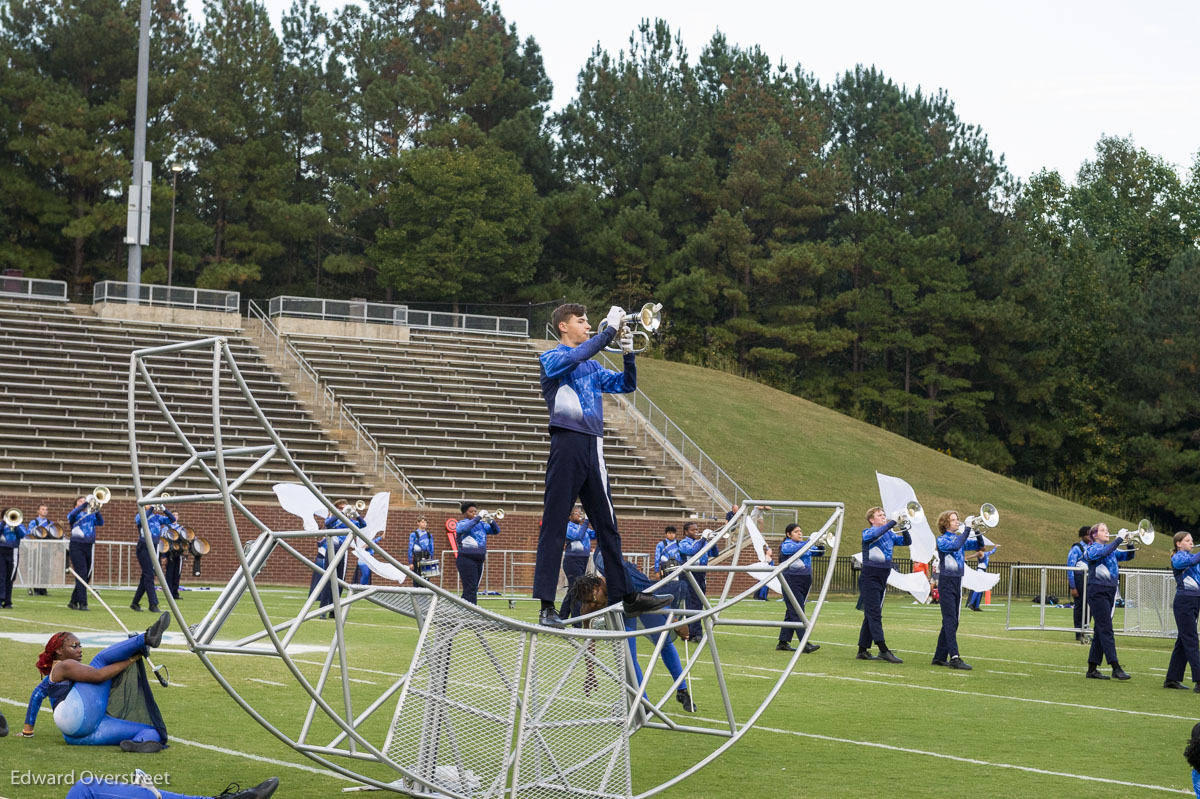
895,493
916,583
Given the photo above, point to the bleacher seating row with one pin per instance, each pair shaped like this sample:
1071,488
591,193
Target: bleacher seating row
462,416
63,408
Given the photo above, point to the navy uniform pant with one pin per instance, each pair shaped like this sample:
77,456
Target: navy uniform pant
172,572
693,602
800,584
1079,602
574,567
146,583
1100,599
576,468
949,600
1187,644
872,585
9,558
470,570
81,561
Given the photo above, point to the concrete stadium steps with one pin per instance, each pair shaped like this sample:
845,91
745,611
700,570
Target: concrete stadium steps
63,425
463,417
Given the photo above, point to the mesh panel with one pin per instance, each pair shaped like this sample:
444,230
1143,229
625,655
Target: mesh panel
1148,596
573,737
453,725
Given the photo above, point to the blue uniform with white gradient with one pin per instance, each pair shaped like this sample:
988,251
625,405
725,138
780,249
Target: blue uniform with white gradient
10,557
1103,574
952,564
688,547
1075,557
798,577
877,546
1186,567
472,535
573,386
155,521
83,526
420,540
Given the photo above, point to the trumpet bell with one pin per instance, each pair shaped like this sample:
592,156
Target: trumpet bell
650,317
988,515
914,510
1144,532
498,515
13,517
102,495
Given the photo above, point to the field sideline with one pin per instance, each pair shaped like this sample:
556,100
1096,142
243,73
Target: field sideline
1019,724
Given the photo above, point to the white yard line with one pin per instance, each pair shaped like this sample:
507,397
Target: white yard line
266,682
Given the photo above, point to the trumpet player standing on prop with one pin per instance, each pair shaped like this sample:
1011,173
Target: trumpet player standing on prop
955,538
573,386
10,553
156,520
1102,556
84,520
877,543
472,533
1185,563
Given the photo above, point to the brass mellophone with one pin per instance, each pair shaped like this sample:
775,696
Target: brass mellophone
490,516
13,517
99,496
358,510
646,321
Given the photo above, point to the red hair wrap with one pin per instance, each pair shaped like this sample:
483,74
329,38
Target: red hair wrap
45,661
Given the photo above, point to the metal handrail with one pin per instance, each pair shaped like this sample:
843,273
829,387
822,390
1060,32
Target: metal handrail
395,314
700,468
33,288
172,296
327,399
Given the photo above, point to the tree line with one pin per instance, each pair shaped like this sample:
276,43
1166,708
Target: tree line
856,242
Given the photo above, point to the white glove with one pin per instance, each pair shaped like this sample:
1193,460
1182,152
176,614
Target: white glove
626,342
615,318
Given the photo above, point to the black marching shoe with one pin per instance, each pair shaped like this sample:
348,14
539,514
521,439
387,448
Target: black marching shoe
1094,674
142,747
548,617
72,606
865,654
154,632
260,791
938,662
1196,688
889,656
636,604
685,699
810,648
1119,674
1176,684
960,664
784,646
135,606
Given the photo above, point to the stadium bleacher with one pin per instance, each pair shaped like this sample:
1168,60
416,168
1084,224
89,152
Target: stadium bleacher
461,414
63,406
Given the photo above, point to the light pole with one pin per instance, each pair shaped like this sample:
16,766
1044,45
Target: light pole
175,170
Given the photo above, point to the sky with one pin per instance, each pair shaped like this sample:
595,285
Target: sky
1044,80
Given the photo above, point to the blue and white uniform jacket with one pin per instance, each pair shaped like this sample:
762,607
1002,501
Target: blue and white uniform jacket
1186,566
1074,555
877,545
668,555
472,535
84,524
156,522
951,561
1102,562
579,540
422,540
803,565
10,537
573,384
656,566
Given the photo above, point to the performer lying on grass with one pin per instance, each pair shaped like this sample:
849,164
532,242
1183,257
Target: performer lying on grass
106,703
90,787
589,593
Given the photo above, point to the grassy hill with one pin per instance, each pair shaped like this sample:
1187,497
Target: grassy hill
780,446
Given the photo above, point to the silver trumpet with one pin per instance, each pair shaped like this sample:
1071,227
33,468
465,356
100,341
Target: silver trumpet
1144,534
358,510
905,516
490,516
643,323
13,517
99,496
988,518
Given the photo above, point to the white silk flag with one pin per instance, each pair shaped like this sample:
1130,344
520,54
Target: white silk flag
975,580
916,583
756,538
298,500
894,494
385,570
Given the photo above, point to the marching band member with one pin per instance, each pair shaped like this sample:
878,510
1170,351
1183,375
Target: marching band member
79,694
976,597
364,573
1075,556
472,533
579,549
10,556
954,539
1186,565
158,517
173,560
90,786
799,578
877,543
1102,556
332,522
668,540
1191,753
420,545
84,520
43,520
573,386
689,545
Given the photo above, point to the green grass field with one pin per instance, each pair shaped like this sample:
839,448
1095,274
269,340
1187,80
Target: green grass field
780,446
1020,724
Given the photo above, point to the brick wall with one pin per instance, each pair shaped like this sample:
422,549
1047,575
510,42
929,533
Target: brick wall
519,532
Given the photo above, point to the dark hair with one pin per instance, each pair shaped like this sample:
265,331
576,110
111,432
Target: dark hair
463,507
686,525
790,527
563,313
1085,531
670,528
1191,752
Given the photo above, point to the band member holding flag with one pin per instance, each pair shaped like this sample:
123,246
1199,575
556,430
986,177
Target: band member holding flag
954,539
1102,556
877,543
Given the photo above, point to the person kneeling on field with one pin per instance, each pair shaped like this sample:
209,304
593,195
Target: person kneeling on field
106,703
